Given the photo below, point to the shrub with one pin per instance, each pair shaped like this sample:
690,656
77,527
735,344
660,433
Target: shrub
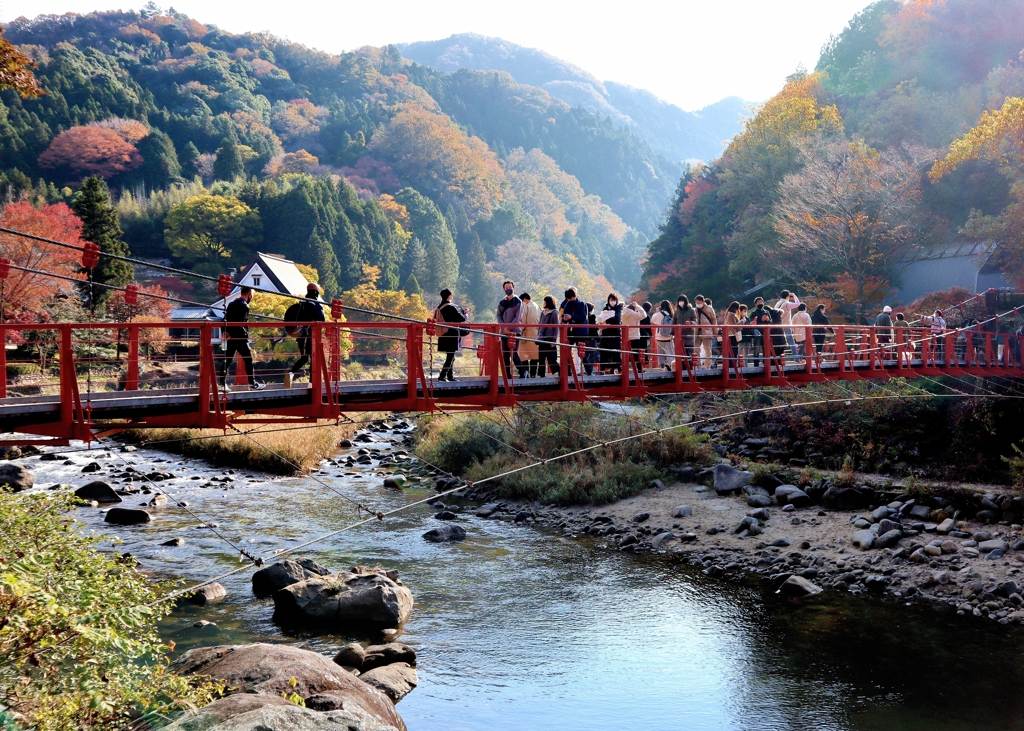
468,445
78,641
1016,463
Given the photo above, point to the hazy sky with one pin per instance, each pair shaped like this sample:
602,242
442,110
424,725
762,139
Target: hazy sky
688,52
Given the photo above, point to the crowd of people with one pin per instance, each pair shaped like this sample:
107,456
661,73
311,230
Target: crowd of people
786,331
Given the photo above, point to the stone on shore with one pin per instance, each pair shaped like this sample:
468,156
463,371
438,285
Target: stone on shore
946,526
351,656
99,491
993,545
127,516
345,599
16,477
396,680
376,656
798,586
486,511
863,539
759,501
251,712
445,534
888,539
270,670
682,511
661,539
728,480
847,498
792,495
285,573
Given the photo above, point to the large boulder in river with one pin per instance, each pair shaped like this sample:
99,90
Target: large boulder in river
370,600
376,656
797,586
258,712
728,480
16,477
99,491
275,669
285,573
848,498
127,516
445,534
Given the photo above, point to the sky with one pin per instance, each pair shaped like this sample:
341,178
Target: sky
690,53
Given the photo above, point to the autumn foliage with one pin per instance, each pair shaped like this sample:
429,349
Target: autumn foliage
26,290
91,150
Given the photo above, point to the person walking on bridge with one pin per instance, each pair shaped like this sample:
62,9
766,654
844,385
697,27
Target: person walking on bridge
509,315
310,310
448,341
235,315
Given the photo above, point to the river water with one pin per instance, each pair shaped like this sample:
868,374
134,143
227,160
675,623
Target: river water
516,628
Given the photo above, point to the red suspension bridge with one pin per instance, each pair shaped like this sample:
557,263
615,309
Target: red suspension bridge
83,380
87,379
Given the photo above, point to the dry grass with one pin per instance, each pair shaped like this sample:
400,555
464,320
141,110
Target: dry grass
303,446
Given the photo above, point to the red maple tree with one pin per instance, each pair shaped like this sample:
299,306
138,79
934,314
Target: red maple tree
91,151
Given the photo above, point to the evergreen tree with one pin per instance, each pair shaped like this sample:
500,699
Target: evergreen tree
228,164
476,281
160,166
412,286
189,159
428,225
100,226
415,258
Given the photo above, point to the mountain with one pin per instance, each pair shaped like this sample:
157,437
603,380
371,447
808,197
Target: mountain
833,184
669,130
364,165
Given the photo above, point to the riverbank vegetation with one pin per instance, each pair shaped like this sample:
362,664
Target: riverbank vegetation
279,450
939,429
476,446
78,641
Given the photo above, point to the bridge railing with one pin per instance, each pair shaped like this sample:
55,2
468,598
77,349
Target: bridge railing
86,368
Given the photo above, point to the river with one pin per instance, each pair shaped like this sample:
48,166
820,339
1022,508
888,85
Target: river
517,628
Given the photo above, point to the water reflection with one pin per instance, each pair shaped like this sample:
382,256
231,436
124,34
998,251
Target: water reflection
518,629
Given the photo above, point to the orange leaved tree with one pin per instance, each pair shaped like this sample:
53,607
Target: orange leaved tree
28,290
91,150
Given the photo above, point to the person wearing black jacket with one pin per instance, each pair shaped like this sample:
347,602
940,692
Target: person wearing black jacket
821,326
611,337
236,313
311,311
448,341
761,317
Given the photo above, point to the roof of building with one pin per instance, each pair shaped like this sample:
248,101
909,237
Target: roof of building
282,272
195,314
952,251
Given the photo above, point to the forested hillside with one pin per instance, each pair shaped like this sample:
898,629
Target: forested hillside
216,145
670,131
828,186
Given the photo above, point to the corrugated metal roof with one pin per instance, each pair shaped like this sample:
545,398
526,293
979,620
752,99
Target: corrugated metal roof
195,314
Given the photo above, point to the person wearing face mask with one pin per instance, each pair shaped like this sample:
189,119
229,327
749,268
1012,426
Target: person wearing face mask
611,338
633,315
509,316
706,332
664,337
685,315
573,311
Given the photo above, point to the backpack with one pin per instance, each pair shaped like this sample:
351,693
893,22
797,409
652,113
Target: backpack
293,314
664,332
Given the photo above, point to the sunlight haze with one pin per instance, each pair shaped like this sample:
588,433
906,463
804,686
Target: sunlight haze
689,53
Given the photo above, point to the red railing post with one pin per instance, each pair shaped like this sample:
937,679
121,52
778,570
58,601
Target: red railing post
726,355
3,361
494,356
68,381
335,353
207,377
680,355
626,356
413,355
316,378
565,357
131,382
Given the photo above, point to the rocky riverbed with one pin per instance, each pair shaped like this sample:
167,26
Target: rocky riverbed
957,552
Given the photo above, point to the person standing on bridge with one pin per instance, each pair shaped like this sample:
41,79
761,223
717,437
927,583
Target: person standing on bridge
761,317
821,328
707,322
310,311
529,350
549,336
509,315
685,315
664,336
235,315
448,342
937,323
574,311
786,305
883,331
800,331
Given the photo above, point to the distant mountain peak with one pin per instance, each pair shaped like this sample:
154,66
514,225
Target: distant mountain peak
668,129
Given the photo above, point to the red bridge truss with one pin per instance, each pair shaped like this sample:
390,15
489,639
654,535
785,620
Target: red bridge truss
79,380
